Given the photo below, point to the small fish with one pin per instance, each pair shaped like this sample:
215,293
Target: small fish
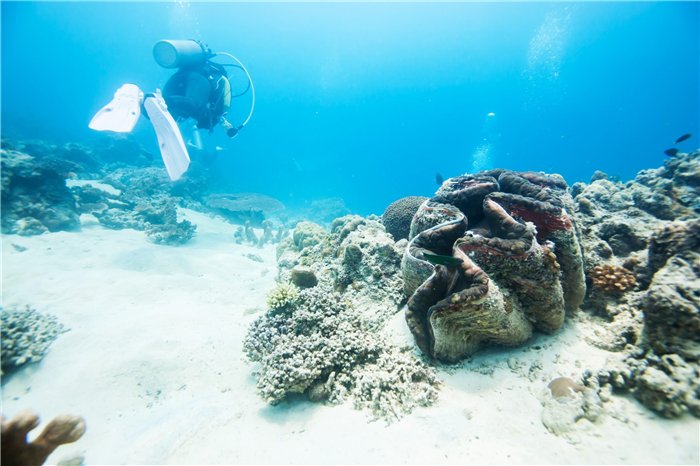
683,138
564,136
438,179
671,152
447,261
219,148
189,143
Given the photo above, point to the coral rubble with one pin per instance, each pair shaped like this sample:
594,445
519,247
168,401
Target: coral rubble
324,347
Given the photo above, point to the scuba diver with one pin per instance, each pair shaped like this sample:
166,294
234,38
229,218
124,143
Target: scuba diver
200,90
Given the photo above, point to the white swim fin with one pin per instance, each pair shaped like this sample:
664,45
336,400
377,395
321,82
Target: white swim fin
122,113
172,147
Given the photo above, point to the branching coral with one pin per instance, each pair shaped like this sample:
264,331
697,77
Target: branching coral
612,279
284,294
26,335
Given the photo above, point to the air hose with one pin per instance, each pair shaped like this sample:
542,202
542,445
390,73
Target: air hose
250,81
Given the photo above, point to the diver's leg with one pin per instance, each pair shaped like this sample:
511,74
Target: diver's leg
172,147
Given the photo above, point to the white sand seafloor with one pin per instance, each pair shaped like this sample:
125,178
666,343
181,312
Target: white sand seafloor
153,361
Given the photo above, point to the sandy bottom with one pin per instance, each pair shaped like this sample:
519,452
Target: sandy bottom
154,363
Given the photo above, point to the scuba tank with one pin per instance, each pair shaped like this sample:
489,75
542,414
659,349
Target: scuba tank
179,53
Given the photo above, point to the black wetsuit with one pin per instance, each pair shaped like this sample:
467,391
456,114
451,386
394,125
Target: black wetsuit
196,92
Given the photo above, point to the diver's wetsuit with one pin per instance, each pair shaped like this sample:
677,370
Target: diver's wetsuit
198,92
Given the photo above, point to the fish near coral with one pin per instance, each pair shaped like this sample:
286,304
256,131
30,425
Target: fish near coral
683,138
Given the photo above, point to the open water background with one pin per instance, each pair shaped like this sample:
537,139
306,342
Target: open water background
367,101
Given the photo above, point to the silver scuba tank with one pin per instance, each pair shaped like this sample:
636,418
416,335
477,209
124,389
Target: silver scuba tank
178,53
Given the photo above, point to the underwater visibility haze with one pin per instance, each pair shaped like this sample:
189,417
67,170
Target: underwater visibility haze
350,232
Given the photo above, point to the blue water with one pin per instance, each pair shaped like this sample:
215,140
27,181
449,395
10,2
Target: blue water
368,101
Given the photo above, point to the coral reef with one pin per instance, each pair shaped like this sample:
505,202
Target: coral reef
358,259
303,277
150,183
672,307
35,198
667,384
650,227
397,217
121,148
324,211
306,234
16,451
343,226
157,219
519,267
104,155
242,207
611,278
26,335
326,348
83,162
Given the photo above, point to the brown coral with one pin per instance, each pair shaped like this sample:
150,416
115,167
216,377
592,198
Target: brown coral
612,279
397,217
15,449
563,386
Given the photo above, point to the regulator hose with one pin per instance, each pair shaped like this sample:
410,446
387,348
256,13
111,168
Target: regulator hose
250,82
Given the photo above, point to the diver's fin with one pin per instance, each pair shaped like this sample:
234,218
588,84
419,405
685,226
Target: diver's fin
122,113
172,147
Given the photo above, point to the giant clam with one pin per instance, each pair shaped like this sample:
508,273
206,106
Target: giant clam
519,263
